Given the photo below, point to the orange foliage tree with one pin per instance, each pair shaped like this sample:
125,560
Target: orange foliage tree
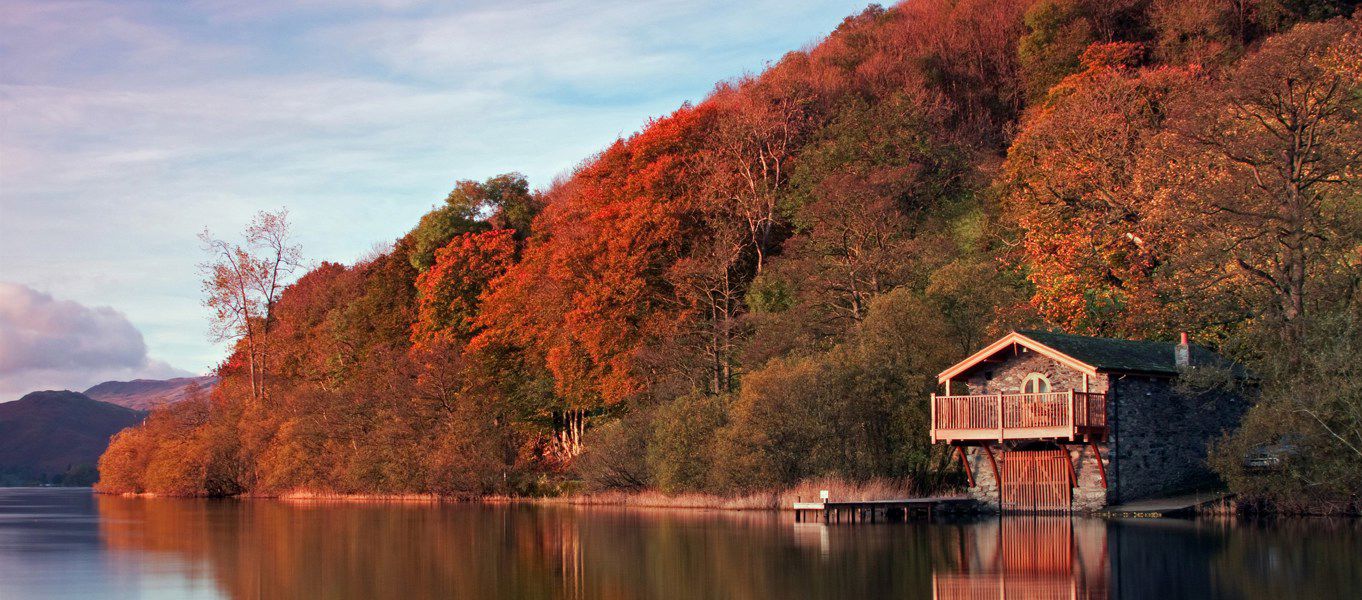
1257,177
1072,189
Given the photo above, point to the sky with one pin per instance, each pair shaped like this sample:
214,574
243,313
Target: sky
128,127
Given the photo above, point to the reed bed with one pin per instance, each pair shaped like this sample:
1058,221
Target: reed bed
807,491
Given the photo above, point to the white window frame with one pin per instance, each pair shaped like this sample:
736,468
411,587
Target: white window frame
1039,380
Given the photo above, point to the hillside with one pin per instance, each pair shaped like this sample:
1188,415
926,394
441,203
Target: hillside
757,289
146,394
57,437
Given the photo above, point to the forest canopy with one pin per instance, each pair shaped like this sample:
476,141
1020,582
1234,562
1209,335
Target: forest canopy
759,288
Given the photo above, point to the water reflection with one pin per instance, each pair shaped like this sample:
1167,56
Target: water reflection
1037,558
267,549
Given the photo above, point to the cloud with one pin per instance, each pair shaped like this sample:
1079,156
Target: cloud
59,344
151,120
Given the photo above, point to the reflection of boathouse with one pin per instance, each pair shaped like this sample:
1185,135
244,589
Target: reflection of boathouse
1049,421
1035,558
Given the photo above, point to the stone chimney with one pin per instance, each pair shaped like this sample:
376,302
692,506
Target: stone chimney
1182,355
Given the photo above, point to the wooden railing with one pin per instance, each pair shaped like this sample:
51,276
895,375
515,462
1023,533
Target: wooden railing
1017,416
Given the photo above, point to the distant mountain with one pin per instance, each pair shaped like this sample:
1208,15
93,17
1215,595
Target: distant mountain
146,394
57,437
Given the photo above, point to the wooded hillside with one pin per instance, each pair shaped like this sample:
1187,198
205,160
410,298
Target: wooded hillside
760,287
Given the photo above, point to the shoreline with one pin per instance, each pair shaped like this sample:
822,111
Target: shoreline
776,502
613,499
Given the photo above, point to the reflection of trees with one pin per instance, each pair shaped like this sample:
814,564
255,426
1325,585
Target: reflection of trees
1316,558
1032,557
263,549
1291,558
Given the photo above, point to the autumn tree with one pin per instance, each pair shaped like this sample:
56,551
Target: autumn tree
1260,176
1059,31
587,295
243,283
865,195
485,390
758,131
450,289
711,284
592,286
309,343
1216,31
1073,190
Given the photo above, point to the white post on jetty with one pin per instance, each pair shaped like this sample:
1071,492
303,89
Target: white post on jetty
821,505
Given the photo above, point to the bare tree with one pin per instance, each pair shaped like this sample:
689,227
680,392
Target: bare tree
752,146
243,282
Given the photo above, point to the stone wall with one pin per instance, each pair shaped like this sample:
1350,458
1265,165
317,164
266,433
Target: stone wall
1162,437
985,490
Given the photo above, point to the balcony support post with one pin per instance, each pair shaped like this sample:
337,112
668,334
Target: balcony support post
997,478
964,462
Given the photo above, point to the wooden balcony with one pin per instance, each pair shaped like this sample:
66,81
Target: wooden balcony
1072,416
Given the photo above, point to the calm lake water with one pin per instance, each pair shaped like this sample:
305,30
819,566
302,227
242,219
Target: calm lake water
69,543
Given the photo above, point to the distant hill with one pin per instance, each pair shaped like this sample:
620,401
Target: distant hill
57,437
146,394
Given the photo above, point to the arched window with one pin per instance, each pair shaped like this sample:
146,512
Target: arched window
1035,383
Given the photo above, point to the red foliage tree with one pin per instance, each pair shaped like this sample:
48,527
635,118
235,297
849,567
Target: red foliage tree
449,291
591,286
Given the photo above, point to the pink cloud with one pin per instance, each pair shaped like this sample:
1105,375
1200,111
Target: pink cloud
47,342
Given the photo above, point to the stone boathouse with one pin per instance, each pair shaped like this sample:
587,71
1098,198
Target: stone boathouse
1054,422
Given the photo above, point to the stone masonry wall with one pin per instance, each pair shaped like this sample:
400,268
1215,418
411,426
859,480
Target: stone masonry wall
1007,376
1162,437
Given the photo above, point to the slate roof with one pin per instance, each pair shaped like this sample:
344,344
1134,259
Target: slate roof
1108,354
1103,354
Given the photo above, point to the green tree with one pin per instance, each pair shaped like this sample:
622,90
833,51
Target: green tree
501,202
679,455
1309,418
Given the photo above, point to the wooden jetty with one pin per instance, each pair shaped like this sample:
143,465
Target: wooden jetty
870,511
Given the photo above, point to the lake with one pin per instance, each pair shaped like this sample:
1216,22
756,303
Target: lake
70,543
